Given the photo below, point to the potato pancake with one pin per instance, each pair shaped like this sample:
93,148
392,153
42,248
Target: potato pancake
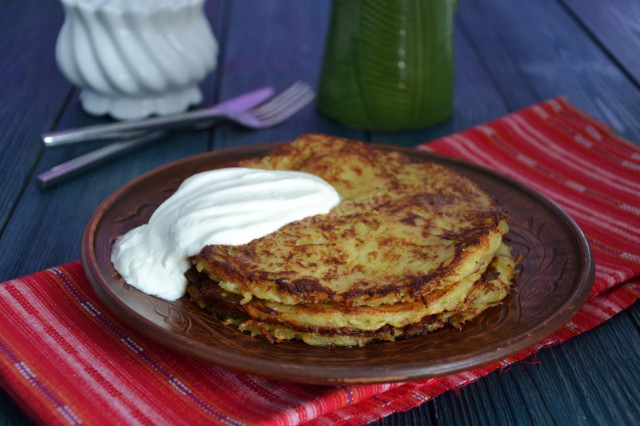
402,230
331,325
411,248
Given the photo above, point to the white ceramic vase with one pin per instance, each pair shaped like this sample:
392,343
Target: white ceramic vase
136,58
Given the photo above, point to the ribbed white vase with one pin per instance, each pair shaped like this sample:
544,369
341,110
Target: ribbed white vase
136,58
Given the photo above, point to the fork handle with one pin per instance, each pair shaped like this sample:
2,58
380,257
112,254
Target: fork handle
90,160
132,129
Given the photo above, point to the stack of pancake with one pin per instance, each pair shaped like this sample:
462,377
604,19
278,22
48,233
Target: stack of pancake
411,247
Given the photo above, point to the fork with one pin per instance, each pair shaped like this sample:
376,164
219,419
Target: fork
277,109
265,115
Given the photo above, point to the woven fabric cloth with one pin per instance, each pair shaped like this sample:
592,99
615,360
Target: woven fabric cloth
66,359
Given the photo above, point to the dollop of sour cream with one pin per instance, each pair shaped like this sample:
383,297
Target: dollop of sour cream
229,206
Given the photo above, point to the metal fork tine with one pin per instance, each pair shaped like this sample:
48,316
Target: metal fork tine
282,108
288,112
275,111
268,110
278,99
282,101
295,104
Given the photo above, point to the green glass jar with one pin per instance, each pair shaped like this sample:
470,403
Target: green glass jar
388,64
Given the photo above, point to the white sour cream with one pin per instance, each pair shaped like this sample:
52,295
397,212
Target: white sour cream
230,206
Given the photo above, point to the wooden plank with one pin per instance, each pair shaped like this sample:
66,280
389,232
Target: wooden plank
616,26
289,36
595,374
10,413
502,397
591,379
634,314
505,388
32,91
536,50
491,396
64,215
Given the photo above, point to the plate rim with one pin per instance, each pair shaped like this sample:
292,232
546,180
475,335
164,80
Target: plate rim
272,368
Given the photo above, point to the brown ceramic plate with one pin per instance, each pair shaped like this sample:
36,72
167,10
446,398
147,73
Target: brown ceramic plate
555,279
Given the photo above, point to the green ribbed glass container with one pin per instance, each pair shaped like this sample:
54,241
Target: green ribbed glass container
388,64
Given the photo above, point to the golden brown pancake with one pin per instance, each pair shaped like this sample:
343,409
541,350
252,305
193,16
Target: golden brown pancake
402,231
411,247
332,325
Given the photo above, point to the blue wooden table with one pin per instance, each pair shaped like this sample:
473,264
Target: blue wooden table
509,54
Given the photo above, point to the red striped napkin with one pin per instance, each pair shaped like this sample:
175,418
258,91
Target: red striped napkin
66,359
